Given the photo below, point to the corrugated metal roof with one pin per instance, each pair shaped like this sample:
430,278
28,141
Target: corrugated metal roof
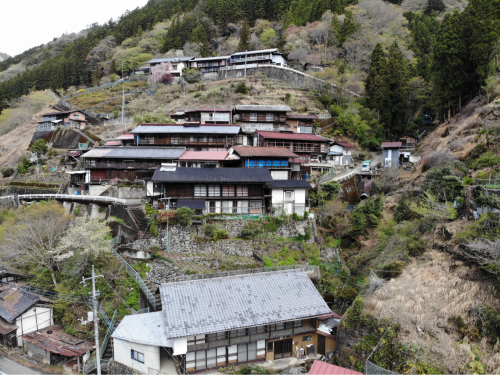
61,113
289,184
146,329
170,59
248,151
344,144
14,302
113,143
254,52
221,175
263,108
204,155
227,303
212,58
391,144
323,368
125,136
180,129
135,152
292,136
59,342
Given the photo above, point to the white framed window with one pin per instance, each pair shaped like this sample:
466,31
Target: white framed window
253,116
269,117
137,356
255,207
242,207
288,195
200,190
227,207
214,190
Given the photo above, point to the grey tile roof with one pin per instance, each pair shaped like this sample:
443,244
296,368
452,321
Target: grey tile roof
146,329
14,302
214,175
135,152
170,59
291,184
179,129
227,303
261,108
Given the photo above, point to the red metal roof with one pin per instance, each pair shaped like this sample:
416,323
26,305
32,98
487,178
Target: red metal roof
125,136
323,368
208,109
391,144
248,151
333,314
181,125
59,342
344,144
204,155
113,143
292,136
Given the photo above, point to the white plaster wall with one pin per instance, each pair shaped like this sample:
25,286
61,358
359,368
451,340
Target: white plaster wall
34,319
336,148
122,353
97,189
278,59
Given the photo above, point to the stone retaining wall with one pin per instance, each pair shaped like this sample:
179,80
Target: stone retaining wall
119,369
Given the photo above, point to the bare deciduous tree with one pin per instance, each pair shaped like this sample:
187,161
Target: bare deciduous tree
356,52
484,252
332,215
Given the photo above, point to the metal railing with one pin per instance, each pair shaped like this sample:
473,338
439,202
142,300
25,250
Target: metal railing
492,183
304,267
70,197
111,329
133,274
91,365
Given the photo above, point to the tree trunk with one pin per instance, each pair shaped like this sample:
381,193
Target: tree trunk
53,276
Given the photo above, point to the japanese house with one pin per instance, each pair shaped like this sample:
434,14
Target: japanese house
259,57
177,63
12,274
209,64
53,347
300,123
341,153
210,323
21,312
408,141
204,116
277,160
193,136
202,159
128,162
261,117
71,158
51,121
391,153
223,190
126,139
290,195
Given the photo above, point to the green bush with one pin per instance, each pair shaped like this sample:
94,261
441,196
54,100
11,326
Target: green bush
250,230
183,216
242,88
288,97
488,159
214,232
270,226
7,172
209,230
296,217
443,183
393,269
23,165
402,211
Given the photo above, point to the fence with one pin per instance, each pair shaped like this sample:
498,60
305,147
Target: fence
304,267
373,369
70,197
133,274
492,183
111,329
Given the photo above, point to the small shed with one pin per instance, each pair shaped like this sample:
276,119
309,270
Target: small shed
291,194
391,154
408,141
53,346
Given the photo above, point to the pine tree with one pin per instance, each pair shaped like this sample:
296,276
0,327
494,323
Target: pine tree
97,75
349,27
112,69
200,36
434,5
397,78
244,44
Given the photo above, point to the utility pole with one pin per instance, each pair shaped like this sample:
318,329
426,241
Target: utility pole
96,320
123,101
168,232
245,64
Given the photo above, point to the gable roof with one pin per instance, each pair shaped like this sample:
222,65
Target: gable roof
323,368
146,329
344,144
14,302
125,136
227,303
257,51
182,129
289,184
221,175
248,151
292,136
262,108
135,152
391,144
62,112
204,155
212,58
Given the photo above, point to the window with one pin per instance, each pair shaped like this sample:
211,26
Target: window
193,138
136,356
255,207
200,190
288,195
174,67
228,191
242,191
270,346
253,116
227,207
202,138
297,323
213,190
269,117
214,207
307,338
76,116
242,207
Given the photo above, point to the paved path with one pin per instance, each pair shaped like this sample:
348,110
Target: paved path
10,367
356,170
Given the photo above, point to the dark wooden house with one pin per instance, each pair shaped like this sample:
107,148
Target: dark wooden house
204,116
261,117
301,123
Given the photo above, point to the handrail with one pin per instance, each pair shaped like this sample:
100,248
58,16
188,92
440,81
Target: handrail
133,274
108,334
72,197
92,365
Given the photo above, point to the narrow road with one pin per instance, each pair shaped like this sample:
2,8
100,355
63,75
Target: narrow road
377,159
10,367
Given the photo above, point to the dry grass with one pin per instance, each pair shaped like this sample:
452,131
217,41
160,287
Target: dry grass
428,296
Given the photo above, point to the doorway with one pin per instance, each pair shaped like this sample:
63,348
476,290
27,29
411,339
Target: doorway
283,348
321,345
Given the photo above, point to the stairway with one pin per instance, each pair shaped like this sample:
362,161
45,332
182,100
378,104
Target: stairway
139,214
156,293
108,352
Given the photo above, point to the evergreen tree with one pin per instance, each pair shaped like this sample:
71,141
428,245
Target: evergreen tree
434,6
112,69
349,27
200,36
397,78
244,44
97,75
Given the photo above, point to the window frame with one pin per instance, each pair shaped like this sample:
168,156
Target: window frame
253,116
136,356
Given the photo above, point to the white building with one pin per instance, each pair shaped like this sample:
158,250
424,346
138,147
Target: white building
21,312
290,194
341,153
178,63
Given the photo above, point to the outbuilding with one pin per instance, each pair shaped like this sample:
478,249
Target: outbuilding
291,195
391,154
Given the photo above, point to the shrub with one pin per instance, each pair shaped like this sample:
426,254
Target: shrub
7,172
112,78
402,211
306,215
437,159
242,88
332,188
23,165
296,217
288,97
250,230
393,269
443,183
164,216
183,216
215,232
209,230
488,159
40,146
52,152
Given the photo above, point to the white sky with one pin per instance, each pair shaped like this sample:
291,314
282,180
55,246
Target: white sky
29,23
